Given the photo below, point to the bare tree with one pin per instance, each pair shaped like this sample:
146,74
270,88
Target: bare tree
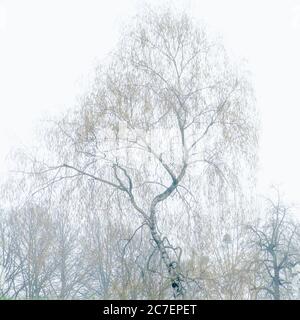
70,271
168,110
32,230
277,241
9,266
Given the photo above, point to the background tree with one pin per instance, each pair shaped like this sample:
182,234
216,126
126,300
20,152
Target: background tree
277,242
9,267
33,233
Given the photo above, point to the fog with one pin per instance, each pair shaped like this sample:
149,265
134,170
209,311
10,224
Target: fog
49,49
152,169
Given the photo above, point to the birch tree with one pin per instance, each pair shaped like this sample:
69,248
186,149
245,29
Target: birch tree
168,112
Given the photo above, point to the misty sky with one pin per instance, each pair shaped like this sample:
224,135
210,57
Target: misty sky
48,50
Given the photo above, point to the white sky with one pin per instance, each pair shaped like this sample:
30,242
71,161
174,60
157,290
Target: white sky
48,48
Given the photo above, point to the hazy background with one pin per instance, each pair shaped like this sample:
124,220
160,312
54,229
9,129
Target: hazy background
48,49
